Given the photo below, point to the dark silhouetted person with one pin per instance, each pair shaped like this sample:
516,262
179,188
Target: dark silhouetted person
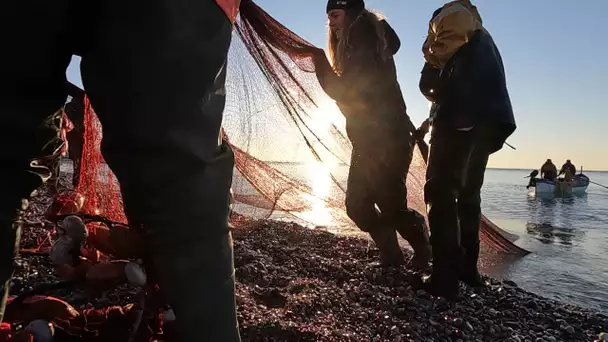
472,118
567,166
362,79
155,72
548,171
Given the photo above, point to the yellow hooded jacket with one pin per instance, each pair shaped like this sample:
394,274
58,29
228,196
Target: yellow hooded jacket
452,28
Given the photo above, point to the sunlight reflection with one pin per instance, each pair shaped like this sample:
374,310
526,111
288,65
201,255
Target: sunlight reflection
324,116
427,138
319,177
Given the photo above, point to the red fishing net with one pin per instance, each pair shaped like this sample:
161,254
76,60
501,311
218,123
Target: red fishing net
97,182
291,150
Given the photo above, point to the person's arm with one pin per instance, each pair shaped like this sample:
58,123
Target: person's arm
429,82
448,31
361,72
350,87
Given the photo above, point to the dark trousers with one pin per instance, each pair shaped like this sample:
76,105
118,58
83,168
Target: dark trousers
75,138
75,145
154,71
455,175
377,177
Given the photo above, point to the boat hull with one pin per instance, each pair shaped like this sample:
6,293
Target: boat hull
559,188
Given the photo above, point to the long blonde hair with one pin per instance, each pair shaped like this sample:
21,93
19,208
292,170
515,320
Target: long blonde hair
338,46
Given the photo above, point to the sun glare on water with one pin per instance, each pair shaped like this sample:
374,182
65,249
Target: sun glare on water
324,116
320,180
321,121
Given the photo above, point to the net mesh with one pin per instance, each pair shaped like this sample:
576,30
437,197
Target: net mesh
288,137
97,183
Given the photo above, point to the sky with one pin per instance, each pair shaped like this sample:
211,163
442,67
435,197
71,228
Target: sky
555,55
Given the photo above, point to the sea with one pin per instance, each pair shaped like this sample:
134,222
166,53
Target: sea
568,238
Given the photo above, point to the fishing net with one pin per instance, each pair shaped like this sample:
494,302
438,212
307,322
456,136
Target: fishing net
288,137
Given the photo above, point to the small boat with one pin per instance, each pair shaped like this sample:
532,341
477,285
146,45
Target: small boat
559,187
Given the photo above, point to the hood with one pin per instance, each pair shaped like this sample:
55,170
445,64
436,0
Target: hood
392,40
468,5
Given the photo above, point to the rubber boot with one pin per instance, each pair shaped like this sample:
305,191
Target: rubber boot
473,279
413,228
443,282
469,213
390,252
447,252
469,273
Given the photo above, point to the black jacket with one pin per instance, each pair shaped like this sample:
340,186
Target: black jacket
471,90
367,92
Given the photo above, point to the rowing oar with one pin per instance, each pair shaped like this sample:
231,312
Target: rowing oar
598,184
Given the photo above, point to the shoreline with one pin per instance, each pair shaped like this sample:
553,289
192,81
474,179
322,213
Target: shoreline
299,284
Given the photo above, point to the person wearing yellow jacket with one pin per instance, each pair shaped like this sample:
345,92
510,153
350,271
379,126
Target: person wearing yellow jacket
472,117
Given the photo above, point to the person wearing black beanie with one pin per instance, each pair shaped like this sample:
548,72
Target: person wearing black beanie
355,5
362,79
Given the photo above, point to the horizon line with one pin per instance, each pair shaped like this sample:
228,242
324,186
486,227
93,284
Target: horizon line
527,169
487,168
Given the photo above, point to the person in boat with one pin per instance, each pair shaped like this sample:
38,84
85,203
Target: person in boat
362,80
568,176
472,118
548,171
161,114
532,176
568,166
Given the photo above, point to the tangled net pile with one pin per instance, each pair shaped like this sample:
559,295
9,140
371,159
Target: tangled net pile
288,137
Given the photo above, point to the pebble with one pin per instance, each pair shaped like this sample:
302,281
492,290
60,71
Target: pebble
421,293
477,304
458,322
295,283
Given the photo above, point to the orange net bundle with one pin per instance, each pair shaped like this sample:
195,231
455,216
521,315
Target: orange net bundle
289,140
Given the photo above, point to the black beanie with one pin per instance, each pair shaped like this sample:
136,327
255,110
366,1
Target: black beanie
357,5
